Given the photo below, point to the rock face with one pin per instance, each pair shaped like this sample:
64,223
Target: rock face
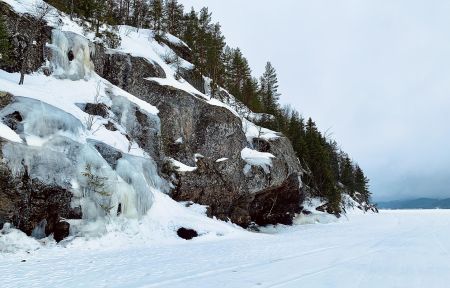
26,202
197,133
277,204
124,70
189,129
28,40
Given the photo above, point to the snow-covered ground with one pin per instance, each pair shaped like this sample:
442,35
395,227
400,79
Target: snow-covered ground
390,249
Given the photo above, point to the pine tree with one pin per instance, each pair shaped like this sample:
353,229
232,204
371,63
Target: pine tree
250,93
156,17
214,66
173,17
239,73
191,30
138,13
203,40
269,89
98,14
5,46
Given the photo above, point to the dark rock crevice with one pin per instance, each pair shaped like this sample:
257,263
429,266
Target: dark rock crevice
277,204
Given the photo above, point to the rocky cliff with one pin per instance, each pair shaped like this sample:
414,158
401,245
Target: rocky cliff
97,131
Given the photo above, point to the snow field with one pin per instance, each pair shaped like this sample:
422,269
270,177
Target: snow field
390,249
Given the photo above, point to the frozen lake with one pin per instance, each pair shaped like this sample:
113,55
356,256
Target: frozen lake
391,249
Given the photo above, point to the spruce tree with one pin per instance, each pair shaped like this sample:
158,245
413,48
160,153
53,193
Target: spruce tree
226,58
269,89
346,177
362,184
318,162
296,133
239,73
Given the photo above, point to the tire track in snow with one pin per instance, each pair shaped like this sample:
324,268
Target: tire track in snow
345,260
244,266
372,258
271,262
318,271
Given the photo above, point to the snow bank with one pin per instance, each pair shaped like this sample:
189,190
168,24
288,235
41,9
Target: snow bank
13,240
158,226
313,216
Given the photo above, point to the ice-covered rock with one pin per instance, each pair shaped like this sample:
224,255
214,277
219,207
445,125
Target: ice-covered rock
71,55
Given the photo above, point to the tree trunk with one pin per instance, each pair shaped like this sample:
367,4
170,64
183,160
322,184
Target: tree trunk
71,10
22,77
23,66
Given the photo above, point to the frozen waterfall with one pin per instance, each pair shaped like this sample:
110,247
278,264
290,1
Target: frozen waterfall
71,55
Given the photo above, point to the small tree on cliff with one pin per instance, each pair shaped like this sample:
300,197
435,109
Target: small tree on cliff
96,189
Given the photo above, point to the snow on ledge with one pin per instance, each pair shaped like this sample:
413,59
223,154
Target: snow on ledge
252,131
182,167
256,158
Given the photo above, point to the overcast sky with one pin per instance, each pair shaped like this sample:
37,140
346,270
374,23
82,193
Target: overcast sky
374,73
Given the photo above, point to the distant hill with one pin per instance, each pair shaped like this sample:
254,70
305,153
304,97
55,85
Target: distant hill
420,203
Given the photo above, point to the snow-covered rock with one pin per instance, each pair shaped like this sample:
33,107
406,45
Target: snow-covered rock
98,132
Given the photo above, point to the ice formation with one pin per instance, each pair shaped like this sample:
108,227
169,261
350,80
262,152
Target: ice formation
59,148
71,55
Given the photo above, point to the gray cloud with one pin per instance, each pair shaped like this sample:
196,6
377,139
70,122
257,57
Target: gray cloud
376,73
